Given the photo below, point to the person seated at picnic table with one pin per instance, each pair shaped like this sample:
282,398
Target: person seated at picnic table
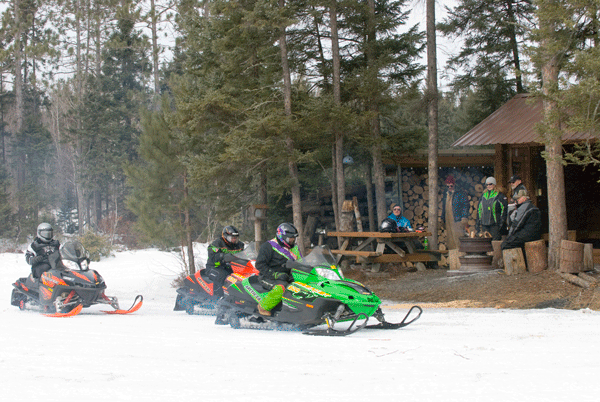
397,223
402,223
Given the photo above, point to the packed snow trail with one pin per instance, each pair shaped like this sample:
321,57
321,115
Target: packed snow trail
157,354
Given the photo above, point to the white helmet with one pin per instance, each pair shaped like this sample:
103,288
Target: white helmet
44,232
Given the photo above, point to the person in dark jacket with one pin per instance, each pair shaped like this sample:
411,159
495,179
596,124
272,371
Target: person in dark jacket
38,251
271,265
516,185
216,267
455,212
526,223
492,210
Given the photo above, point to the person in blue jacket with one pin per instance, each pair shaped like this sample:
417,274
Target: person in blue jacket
401,221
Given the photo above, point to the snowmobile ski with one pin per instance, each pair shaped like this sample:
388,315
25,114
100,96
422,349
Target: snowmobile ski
76,310
331,331
137,303
383,324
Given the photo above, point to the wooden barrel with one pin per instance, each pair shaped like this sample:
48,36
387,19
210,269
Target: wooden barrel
571,256
478,245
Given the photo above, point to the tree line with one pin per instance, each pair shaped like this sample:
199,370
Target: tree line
254,102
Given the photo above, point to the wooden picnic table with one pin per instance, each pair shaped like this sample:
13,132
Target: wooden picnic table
381,247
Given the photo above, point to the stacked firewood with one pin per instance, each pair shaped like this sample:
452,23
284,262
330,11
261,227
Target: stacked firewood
415,196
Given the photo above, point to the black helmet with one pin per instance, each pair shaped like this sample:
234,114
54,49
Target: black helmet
44,232
286,234
388,225
230,235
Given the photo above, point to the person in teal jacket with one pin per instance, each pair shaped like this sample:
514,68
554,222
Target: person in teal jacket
492,210
401,221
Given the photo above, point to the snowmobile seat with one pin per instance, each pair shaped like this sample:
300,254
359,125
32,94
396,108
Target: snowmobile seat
256,284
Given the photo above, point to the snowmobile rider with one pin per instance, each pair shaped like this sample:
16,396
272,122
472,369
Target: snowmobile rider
216,268
271,260
38,251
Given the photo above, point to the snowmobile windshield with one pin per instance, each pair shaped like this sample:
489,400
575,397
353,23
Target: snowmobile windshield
248,253
322,261
73,251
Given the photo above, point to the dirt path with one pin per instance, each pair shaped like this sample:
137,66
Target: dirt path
493,289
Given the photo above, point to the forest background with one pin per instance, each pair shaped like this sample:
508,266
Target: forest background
107,131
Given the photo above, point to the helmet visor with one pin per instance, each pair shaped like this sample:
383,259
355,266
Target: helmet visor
231,238
46,234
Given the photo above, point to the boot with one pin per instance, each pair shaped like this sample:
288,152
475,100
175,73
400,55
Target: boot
270,300
262,311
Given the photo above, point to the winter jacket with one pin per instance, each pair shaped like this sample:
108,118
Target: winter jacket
217,250
401,221
272,257
525,228
460,205
492,209
40,248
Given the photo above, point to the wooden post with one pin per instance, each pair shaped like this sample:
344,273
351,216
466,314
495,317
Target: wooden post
588,257
359,225
537,255
571,256
514,263
346,221
453,261
497,262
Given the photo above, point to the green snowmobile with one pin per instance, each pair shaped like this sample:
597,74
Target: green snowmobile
319,295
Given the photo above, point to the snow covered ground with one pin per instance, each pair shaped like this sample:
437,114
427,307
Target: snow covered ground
157,354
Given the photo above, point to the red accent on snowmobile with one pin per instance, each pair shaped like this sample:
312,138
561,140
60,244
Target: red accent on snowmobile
137,303
71,313
77,274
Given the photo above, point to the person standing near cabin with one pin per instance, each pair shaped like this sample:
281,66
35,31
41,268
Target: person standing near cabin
492,210
455,212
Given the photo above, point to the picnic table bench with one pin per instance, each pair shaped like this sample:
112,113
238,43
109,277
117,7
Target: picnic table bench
382,247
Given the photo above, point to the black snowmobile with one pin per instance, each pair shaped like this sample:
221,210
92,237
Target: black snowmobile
320,295
67,287
198,295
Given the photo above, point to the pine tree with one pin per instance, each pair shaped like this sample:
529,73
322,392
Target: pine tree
490,59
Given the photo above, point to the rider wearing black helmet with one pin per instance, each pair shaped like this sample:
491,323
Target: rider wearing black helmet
271,260
216,269
43,245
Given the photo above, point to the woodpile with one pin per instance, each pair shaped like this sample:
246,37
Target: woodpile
415,196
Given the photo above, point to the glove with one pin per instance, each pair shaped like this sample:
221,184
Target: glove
37,259
283,276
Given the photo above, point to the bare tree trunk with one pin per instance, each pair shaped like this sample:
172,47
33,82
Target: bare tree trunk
378,169
370,204
557,210
289,143
432,106
155,51
514,44
18,87
334,195
262,199
188,227
337,100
